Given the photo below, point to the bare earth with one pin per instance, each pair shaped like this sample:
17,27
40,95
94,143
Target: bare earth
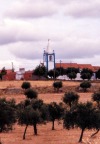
45,134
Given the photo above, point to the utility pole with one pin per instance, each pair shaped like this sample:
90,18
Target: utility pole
12,67
60,67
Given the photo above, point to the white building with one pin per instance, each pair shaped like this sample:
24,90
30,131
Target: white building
20,74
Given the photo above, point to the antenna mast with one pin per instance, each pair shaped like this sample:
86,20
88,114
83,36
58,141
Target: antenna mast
48,46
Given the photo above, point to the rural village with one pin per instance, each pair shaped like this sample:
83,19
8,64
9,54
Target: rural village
49,62
28,75
50,72
63,108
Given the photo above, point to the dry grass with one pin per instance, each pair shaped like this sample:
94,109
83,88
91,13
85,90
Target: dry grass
5,84
45,134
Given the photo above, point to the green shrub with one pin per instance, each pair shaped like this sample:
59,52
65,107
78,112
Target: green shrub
70,98
85,85
96,97
57,85
30,93
25,85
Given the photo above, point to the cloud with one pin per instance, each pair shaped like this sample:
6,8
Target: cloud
69,48
27,50
14,31
74,48
25,31
80,9
31,9
61,2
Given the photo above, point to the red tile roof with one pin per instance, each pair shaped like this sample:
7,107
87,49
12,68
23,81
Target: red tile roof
75,65
66,65
96,68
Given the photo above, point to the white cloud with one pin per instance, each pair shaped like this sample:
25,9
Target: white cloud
31,9
28,50
69,48
19,30
14,31
84,9
78,48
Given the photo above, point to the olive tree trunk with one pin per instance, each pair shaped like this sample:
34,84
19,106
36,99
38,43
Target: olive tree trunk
35,129
81,136
25,132
95,133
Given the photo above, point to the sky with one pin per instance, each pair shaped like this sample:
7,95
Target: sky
73,27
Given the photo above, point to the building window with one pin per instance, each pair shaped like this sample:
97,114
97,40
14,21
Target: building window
50,58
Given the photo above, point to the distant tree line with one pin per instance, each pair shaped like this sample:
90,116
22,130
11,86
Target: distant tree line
71,72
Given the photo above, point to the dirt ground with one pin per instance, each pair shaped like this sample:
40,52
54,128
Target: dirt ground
45,134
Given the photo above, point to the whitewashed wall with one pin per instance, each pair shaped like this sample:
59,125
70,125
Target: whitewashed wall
64,77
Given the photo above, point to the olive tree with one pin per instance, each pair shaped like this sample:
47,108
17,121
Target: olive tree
40,70
55,112
61,70
84,116
7,114
97,74
70,98
32,114
25,85
30,93
3,72
72,75
28,116
72,69
85,85
57,85
96,98
53,73
86,73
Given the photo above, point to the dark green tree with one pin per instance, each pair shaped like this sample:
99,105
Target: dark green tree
36,103
23,104
71,98
40,71
34,113
97,74
72,69
96,98
3,72
55,112
84,116
86,76
85,85
86,73
28,116
0,76
61,70
30,93
7,114
57,85
72,75
25,85
53,73
86,70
